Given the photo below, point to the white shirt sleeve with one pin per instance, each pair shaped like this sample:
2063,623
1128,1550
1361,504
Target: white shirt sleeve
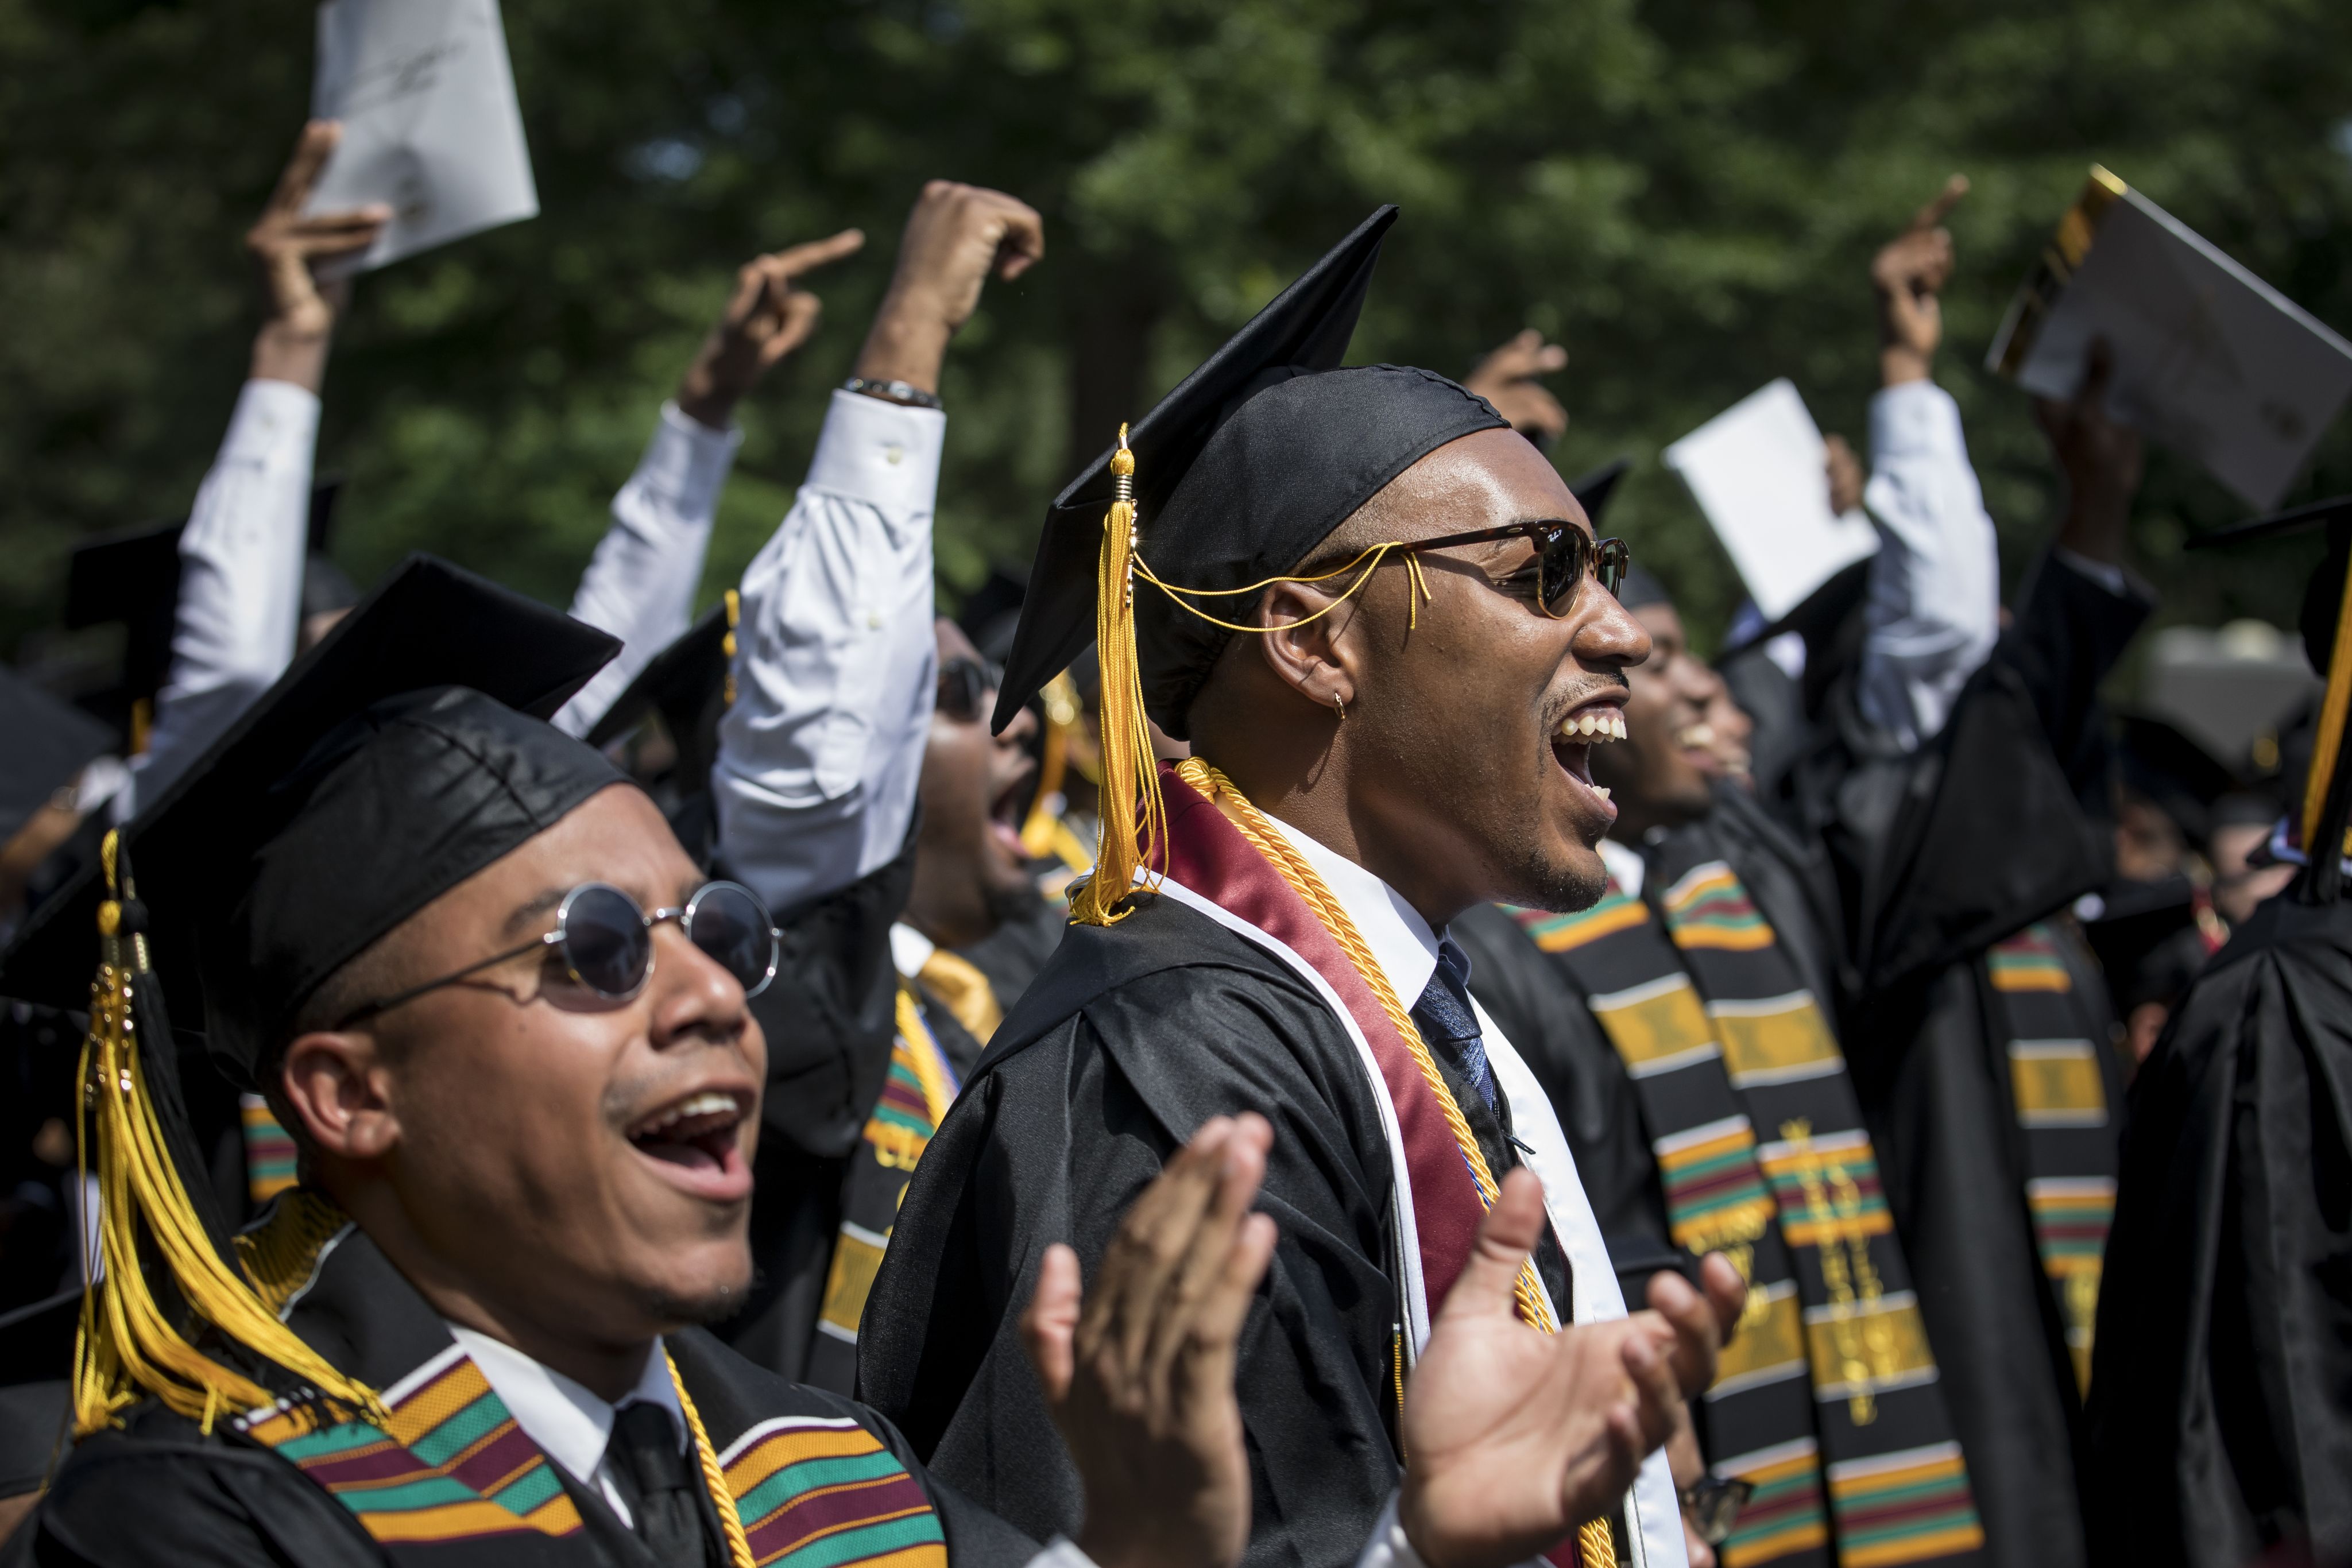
835,662
640,584
1934,608
240,580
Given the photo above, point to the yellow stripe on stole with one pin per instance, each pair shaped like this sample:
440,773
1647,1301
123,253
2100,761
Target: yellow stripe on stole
1860,1347
1656,1027
857,1258
1771,1343
2057,1083
1776,1039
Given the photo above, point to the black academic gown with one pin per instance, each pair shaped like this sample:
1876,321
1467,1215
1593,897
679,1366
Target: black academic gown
2221,1398
1132,1036
1938,855
159,1491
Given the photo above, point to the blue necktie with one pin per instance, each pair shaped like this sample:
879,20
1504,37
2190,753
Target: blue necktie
1449,1026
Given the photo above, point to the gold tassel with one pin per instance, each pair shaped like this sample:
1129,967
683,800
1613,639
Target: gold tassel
1134,816
1061,717
727,646
126,1347
2327,746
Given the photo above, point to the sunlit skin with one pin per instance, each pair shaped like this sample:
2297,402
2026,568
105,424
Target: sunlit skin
1659,775
1447,778
481,1134
969,867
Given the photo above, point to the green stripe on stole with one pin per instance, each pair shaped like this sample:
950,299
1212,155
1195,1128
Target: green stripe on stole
1761,1153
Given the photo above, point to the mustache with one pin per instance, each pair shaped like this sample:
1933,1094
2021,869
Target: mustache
1612,684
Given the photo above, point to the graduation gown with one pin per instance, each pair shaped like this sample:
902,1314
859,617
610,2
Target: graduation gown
1130,1038
1942,856
458,1482
2221,1402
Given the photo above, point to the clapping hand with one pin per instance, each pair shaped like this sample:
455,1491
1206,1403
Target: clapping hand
1140,1379
1514,1438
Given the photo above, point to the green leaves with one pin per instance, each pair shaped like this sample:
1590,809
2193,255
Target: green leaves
1687,195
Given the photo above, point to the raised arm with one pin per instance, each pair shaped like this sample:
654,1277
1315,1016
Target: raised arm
640,584
241,554
1934,607
835,664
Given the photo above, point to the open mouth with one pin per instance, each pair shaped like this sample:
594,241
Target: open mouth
693,1142
1594,724
1007,808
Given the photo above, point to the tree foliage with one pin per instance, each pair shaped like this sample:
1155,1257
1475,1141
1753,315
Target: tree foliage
1687,194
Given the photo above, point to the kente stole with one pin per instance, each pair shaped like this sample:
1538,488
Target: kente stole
2059,1088
1763,1156
916,1095
452,1480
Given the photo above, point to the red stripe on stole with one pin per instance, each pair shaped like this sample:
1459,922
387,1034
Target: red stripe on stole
814,1512
1208,854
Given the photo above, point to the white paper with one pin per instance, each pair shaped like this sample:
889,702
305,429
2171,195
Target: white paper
430,123
2209,359
1759,470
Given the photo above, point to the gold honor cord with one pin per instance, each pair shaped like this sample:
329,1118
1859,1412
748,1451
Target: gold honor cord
2328,748
1061,696
1368,560
126,1347
714,1479
1267,839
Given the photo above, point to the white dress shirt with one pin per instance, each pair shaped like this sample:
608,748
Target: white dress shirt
1405,949
1934,607
836,664
640,584
571,1424
241,560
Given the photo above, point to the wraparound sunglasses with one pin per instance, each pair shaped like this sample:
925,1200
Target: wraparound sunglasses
607,943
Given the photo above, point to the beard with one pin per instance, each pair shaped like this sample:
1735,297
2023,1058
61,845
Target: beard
1556,887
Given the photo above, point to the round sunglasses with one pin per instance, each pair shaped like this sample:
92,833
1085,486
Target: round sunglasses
607,943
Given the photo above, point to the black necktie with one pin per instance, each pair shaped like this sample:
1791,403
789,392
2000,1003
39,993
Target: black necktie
658,1483
1449,1026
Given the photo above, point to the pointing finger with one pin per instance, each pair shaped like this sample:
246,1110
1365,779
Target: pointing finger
1928,216
794,260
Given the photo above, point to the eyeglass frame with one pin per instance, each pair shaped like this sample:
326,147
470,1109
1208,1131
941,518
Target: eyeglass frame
683,915
1598,553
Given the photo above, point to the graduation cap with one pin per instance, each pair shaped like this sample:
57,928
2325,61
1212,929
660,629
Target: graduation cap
50,742
2160,763
1233,478
2326,805
689,686
132,576
399,757
1592,490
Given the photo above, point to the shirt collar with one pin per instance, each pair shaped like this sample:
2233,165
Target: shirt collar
909,949
1626,866
571,1424
1401,941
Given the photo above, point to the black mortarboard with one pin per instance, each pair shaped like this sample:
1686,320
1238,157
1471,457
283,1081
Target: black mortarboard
691,684
45,743
2157,761
2326,805
133,577
403,754
1592,490
1238,474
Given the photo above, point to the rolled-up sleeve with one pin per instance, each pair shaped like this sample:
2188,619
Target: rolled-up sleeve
835,662
1934,607
640,584
240,604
